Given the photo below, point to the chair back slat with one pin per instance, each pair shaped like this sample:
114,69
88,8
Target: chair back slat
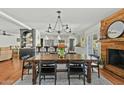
92,55
25,57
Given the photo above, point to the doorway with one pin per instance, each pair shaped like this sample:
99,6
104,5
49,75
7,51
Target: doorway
71,44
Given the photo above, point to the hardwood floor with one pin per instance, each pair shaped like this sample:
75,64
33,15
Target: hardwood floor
114,79
10,72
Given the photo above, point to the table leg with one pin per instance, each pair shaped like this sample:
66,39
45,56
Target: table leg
89,72
34,73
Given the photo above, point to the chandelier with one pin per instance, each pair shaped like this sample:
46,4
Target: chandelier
59,26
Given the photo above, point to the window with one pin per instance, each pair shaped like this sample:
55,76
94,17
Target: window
95,44
49,42
89,44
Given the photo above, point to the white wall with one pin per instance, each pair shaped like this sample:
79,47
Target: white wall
6,41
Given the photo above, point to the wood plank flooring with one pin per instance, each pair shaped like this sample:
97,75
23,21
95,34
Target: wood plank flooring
10,72
114,79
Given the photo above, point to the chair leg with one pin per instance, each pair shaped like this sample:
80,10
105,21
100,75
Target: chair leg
69,79
92,69
39,80
98,72
55,79
84,80
79,76
44,77
39,76
22,70
22,74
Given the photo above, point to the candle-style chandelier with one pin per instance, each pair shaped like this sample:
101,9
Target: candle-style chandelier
59,26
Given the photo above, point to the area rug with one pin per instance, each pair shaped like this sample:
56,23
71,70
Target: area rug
63,80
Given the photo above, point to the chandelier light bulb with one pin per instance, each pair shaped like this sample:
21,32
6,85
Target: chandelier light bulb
59,38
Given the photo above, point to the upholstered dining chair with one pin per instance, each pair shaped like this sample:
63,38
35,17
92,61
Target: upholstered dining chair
25,65
47,68
76,68
95,64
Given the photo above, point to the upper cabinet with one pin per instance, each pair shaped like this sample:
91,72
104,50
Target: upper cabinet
28,38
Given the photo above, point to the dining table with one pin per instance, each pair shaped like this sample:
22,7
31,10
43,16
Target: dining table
59,60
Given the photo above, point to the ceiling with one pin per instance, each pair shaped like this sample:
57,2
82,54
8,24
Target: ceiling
78,19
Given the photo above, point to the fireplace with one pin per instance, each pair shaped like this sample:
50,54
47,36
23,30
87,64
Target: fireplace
116,58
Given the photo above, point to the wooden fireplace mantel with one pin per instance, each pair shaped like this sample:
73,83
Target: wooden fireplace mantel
120,40
107,43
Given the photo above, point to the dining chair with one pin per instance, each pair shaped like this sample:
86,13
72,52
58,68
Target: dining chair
95,64
25,65
47,68
71,51
76,68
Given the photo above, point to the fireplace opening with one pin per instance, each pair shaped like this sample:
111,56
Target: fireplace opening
116,57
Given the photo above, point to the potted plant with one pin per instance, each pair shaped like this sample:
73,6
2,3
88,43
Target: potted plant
61,49
102,61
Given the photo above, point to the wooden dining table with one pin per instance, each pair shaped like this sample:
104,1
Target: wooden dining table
54,57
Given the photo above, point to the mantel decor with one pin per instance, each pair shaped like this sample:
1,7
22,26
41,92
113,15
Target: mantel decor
116,29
